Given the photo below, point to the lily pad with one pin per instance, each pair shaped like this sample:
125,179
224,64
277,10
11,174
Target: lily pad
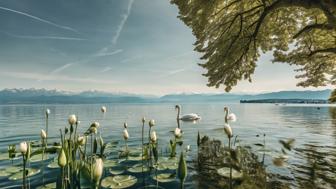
119,181
117,170
4,173
110,163
137,168
13,169
165,177
18,175
167,165
38,157
48,186
225,172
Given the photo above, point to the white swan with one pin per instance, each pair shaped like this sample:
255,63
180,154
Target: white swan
186,117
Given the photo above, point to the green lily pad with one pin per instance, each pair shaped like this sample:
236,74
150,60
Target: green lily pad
48,186
134,158
18,175
110,163
13,169
168,164
225,172
119,181
117,170
38,157
165,177
4,173
4,156
137,168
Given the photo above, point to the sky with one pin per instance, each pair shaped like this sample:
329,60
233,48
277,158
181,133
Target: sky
132,46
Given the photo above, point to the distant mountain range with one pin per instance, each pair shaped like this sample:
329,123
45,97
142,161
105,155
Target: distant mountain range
43,96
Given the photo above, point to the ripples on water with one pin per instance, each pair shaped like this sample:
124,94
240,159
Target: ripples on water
311,164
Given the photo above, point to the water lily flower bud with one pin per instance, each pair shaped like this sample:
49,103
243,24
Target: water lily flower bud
188,148
103,109
182,168
43,134
24,147
151,123
143,119
153,137
72,119
98,169
81,140
77,122
126,135
95,124
62,158
125,125
177,132
228,130
47,112
232,117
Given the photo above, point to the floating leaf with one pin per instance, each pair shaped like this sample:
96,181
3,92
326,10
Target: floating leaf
38,157
138,168
165,177
110,163
4,173
117,170
225,172
13,169
19,175
119,181
48,186
167,165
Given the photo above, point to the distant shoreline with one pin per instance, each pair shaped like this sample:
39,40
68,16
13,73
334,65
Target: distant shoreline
287,101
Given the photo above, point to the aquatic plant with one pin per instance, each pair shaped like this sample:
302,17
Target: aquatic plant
24,149
227,128
182,170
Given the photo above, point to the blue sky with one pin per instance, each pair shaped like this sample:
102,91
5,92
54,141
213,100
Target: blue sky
135,46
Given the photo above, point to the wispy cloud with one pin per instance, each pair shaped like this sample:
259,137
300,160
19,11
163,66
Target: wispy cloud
59,69
122,22
173,72
38,19
42,77
105,52
43,37
106,69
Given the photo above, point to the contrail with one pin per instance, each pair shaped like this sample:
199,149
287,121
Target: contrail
43,37
39,19
122,22
61,68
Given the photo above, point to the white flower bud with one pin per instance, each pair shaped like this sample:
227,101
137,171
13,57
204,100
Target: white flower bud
72,119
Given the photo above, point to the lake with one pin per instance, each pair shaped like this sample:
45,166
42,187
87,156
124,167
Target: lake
312,162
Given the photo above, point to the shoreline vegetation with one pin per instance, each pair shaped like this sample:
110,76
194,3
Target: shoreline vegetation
287,101
43,96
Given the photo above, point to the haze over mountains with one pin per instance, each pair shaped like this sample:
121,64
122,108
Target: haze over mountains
43,96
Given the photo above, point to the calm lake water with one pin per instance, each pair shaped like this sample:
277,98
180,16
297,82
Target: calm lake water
313,127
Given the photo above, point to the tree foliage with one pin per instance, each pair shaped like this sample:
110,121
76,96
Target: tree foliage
332,98
232,34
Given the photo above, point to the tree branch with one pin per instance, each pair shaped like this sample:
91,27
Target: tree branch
327,50
308,28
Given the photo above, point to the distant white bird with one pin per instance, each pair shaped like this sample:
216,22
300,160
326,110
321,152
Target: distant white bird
186,117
